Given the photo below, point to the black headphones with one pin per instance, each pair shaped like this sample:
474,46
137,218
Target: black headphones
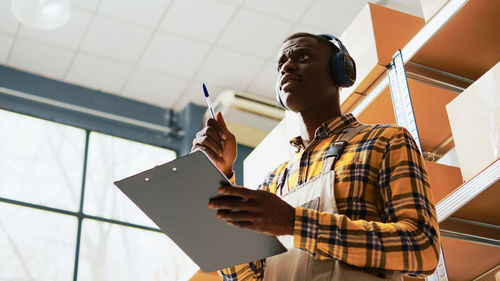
342,66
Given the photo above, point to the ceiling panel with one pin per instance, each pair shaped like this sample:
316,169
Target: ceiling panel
5,46
69,36
333,15
154,88
115,39
40,59
199,20
159,51
7,21
87,5
145,13
310,29
286,9
98,73
174,55
263,84
256,34
230,69
232,2
412,7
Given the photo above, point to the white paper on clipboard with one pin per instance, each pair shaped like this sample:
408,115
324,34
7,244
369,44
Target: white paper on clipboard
175,196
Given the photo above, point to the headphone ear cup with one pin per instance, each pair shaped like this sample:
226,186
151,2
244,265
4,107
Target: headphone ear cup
350,70
342,65
337,68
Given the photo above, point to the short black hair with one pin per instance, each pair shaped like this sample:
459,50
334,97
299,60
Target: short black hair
318,38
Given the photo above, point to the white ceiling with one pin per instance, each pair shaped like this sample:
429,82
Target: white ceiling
160,51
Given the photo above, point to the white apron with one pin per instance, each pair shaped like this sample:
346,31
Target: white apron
296,264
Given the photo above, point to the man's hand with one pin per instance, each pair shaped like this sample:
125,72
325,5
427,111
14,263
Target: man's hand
218,143
254,209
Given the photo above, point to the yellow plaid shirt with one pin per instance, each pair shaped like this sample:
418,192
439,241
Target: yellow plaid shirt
386,219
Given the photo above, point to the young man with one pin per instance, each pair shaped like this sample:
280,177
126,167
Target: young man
355,197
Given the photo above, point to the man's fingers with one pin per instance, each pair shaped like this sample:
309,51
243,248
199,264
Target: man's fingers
232,203
240,192
207,140
210,132
244,224
213,134
210,153
221,131
235,216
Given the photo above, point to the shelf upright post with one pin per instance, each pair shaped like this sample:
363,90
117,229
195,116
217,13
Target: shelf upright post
401,99
405,117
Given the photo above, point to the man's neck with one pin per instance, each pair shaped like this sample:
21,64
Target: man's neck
310,122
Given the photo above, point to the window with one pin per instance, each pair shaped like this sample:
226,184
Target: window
61,217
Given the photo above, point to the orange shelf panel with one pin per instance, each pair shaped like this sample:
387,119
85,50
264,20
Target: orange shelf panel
468,44
443,179
466,261
429,105
371,46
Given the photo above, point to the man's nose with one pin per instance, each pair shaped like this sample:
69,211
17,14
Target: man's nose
288,66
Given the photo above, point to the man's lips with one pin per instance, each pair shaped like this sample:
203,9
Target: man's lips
288,78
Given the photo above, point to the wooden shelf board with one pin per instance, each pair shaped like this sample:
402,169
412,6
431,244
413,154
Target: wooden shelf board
484,207
443,179
466,260
372,46
380,110
468,44
429,105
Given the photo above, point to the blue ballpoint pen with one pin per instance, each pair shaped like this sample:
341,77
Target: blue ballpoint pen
209,103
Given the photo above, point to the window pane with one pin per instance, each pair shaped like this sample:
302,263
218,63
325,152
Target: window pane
111,159
35,244
114,252
42,161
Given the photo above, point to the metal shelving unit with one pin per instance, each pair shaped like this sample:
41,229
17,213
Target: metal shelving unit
452,50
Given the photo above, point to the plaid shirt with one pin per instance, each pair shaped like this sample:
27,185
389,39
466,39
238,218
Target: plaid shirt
386,219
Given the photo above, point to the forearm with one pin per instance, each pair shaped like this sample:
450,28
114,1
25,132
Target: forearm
408,245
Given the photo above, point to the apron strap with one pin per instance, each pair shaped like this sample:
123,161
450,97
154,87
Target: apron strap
329,163
338,147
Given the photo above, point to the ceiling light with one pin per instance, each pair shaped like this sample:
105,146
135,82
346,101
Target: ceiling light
42,14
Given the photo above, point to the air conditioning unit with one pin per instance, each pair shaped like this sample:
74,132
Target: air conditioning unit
248,117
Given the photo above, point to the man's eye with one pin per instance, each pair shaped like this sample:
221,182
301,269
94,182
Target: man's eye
304,57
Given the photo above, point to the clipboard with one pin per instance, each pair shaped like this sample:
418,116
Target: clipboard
175,197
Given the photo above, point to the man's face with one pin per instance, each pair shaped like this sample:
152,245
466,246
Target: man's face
304,77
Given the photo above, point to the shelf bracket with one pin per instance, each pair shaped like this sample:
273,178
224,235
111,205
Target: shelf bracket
472,231
437,78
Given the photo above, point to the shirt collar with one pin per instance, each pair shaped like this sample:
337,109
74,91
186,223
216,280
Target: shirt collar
327,129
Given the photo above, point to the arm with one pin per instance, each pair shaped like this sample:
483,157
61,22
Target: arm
220,146
407,240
